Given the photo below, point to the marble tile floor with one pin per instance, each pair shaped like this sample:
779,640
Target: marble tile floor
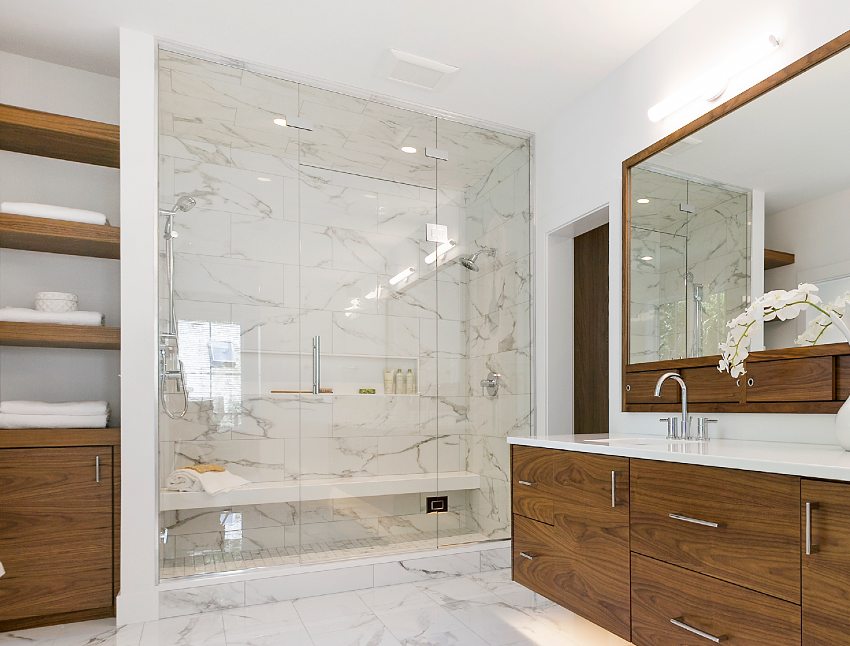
485,609
228,560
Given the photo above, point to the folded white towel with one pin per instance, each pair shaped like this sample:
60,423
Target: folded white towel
210,482
52,212
26,315
23,407
9,420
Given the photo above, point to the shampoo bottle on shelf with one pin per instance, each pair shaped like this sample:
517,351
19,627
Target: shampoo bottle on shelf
411,382
399,382
389,387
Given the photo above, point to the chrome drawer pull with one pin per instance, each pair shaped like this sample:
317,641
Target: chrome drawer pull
526,555
696,631
613,489
810,547
695,521
528,483
97,468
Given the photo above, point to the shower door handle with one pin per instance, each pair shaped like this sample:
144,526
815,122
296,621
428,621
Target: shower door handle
317,365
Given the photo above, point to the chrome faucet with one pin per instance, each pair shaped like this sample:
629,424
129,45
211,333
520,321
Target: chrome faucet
685,433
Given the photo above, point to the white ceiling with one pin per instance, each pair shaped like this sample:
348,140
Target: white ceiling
519,61
792,143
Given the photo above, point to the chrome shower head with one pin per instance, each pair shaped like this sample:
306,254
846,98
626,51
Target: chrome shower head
470,262
184,203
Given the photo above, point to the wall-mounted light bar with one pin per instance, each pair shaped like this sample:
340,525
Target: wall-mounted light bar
400,276
439,251
712,85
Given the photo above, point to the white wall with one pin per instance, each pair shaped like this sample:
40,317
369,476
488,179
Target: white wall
59,374
579,157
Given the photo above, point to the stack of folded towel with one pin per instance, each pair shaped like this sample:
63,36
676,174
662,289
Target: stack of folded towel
52,212
32,414
26,315
211,478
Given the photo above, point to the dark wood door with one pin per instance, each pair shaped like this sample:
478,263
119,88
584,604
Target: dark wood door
56,531
590,409
592,527
531,482
805,380
826,571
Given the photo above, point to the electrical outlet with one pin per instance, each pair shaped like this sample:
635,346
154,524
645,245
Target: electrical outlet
436,232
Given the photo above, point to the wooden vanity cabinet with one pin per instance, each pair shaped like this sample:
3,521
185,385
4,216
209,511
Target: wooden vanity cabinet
58,532
826,565
591,494
532,473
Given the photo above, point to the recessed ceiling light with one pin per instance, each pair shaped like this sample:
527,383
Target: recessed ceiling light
643,200
646,258
264,179
408,149
280,122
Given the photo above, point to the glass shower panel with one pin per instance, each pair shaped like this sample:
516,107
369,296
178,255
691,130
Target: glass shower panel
366,191
483,324
237,328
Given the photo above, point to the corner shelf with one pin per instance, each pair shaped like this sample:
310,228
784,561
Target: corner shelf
58,136
774,259
59,236
52,335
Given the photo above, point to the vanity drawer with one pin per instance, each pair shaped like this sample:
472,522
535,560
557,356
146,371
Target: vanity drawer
640,388
537,558
662,593
709,385
532,471
739,526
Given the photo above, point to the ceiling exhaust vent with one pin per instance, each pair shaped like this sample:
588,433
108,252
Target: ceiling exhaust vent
681,146
418,71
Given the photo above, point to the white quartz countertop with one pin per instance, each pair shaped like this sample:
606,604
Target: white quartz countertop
808,460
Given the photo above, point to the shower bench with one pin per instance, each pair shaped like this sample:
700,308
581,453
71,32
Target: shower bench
258,493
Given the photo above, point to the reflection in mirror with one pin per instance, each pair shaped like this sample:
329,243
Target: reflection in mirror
689,263
787,223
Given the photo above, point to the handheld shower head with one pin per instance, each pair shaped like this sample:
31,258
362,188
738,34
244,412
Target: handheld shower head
184,203
471,262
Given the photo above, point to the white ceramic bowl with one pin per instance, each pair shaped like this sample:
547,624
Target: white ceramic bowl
56,302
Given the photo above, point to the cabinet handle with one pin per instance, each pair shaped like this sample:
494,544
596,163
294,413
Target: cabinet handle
738,383
613,489
696,631
695,521
810,547
751,382
97,468
528,556
628,388
528,483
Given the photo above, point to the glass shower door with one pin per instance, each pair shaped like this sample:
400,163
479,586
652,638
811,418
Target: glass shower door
368,457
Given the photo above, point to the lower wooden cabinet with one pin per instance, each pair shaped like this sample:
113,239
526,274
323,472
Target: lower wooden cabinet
674,554
672,605
57,533
826,562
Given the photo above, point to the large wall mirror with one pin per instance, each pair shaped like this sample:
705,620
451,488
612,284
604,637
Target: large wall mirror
753,197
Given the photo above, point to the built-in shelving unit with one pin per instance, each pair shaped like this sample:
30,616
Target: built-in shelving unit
57,236
58,437
58,136
51,335
774,259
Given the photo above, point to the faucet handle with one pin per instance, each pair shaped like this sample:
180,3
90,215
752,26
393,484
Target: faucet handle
702,427
672,427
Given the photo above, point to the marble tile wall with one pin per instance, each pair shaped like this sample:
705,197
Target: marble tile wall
279,250
672,251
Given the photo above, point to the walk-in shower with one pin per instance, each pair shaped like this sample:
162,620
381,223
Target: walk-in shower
306,252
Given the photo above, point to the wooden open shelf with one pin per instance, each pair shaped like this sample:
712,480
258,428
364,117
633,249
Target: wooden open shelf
59,236
57,437
51,335
774,259
58,136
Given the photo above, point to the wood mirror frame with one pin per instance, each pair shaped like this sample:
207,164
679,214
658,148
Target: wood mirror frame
810,379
